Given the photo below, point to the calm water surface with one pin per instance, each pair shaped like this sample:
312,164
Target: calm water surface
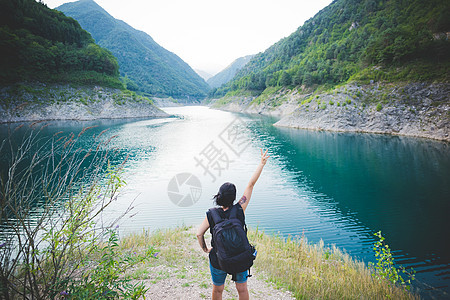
338,187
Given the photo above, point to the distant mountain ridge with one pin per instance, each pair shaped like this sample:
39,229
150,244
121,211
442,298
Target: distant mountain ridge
203,74
146,66
229,72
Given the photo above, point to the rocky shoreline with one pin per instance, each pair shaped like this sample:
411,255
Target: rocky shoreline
39,102
410,109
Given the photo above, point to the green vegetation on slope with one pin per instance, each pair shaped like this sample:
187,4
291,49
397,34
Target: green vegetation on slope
145,65
391,40
40,44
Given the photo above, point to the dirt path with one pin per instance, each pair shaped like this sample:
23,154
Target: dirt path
182,272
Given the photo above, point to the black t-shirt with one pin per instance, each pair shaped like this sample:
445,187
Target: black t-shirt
224,215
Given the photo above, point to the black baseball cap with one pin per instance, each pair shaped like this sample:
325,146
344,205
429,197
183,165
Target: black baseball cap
228,191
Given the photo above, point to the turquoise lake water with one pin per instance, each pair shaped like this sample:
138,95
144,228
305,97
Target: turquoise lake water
338,187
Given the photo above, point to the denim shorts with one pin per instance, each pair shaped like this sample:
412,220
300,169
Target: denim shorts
219,276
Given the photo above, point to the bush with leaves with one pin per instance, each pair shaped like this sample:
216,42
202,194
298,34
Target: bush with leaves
53,192
385,267
106,280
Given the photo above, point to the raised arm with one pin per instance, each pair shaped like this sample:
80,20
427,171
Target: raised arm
245,199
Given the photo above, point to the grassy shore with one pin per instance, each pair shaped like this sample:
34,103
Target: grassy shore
308,271
312,271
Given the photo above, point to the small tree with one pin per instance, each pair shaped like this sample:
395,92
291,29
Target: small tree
385,267
285,79
52,194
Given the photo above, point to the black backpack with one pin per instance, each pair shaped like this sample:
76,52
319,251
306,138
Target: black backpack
234,252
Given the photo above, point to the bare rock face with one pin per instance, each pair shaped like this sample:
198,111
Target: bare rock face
411,109
41,102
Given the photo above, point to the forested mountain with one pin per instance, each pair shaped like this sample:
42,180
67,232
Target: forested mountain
390,40
40,44
146,66
229,72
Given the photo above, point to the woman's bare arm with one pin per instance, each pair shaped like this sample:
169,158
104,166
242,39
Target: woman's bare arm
245,199
201,235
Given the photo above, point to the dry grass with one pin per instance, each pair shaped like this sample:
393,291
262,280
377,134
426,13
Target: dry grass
314,272
174,251
308,271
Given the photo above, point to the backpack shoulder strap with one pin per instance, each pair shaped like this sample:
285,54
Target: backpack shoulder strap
236,212
215,215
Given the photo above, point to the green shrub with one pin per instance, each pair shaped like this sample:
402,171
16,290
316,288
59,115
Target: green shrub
379,107
385,267
61,252
106,280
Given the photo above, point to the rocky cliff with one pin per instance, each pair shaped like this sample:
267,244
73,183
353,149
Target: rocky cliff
63,102
411,109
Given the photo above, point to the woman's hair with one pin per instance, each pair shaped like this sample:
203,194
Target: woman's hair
226,195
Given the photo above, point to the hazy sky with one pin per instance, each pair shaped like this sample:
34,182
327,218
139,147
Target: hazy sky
210,34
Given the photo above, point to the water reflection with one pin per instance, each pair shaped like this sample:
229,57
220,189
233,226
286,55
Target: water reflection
370,182
337,187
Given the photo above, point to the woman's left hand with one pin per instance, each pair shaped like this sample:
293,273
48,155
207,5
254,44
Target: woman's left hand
264,156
